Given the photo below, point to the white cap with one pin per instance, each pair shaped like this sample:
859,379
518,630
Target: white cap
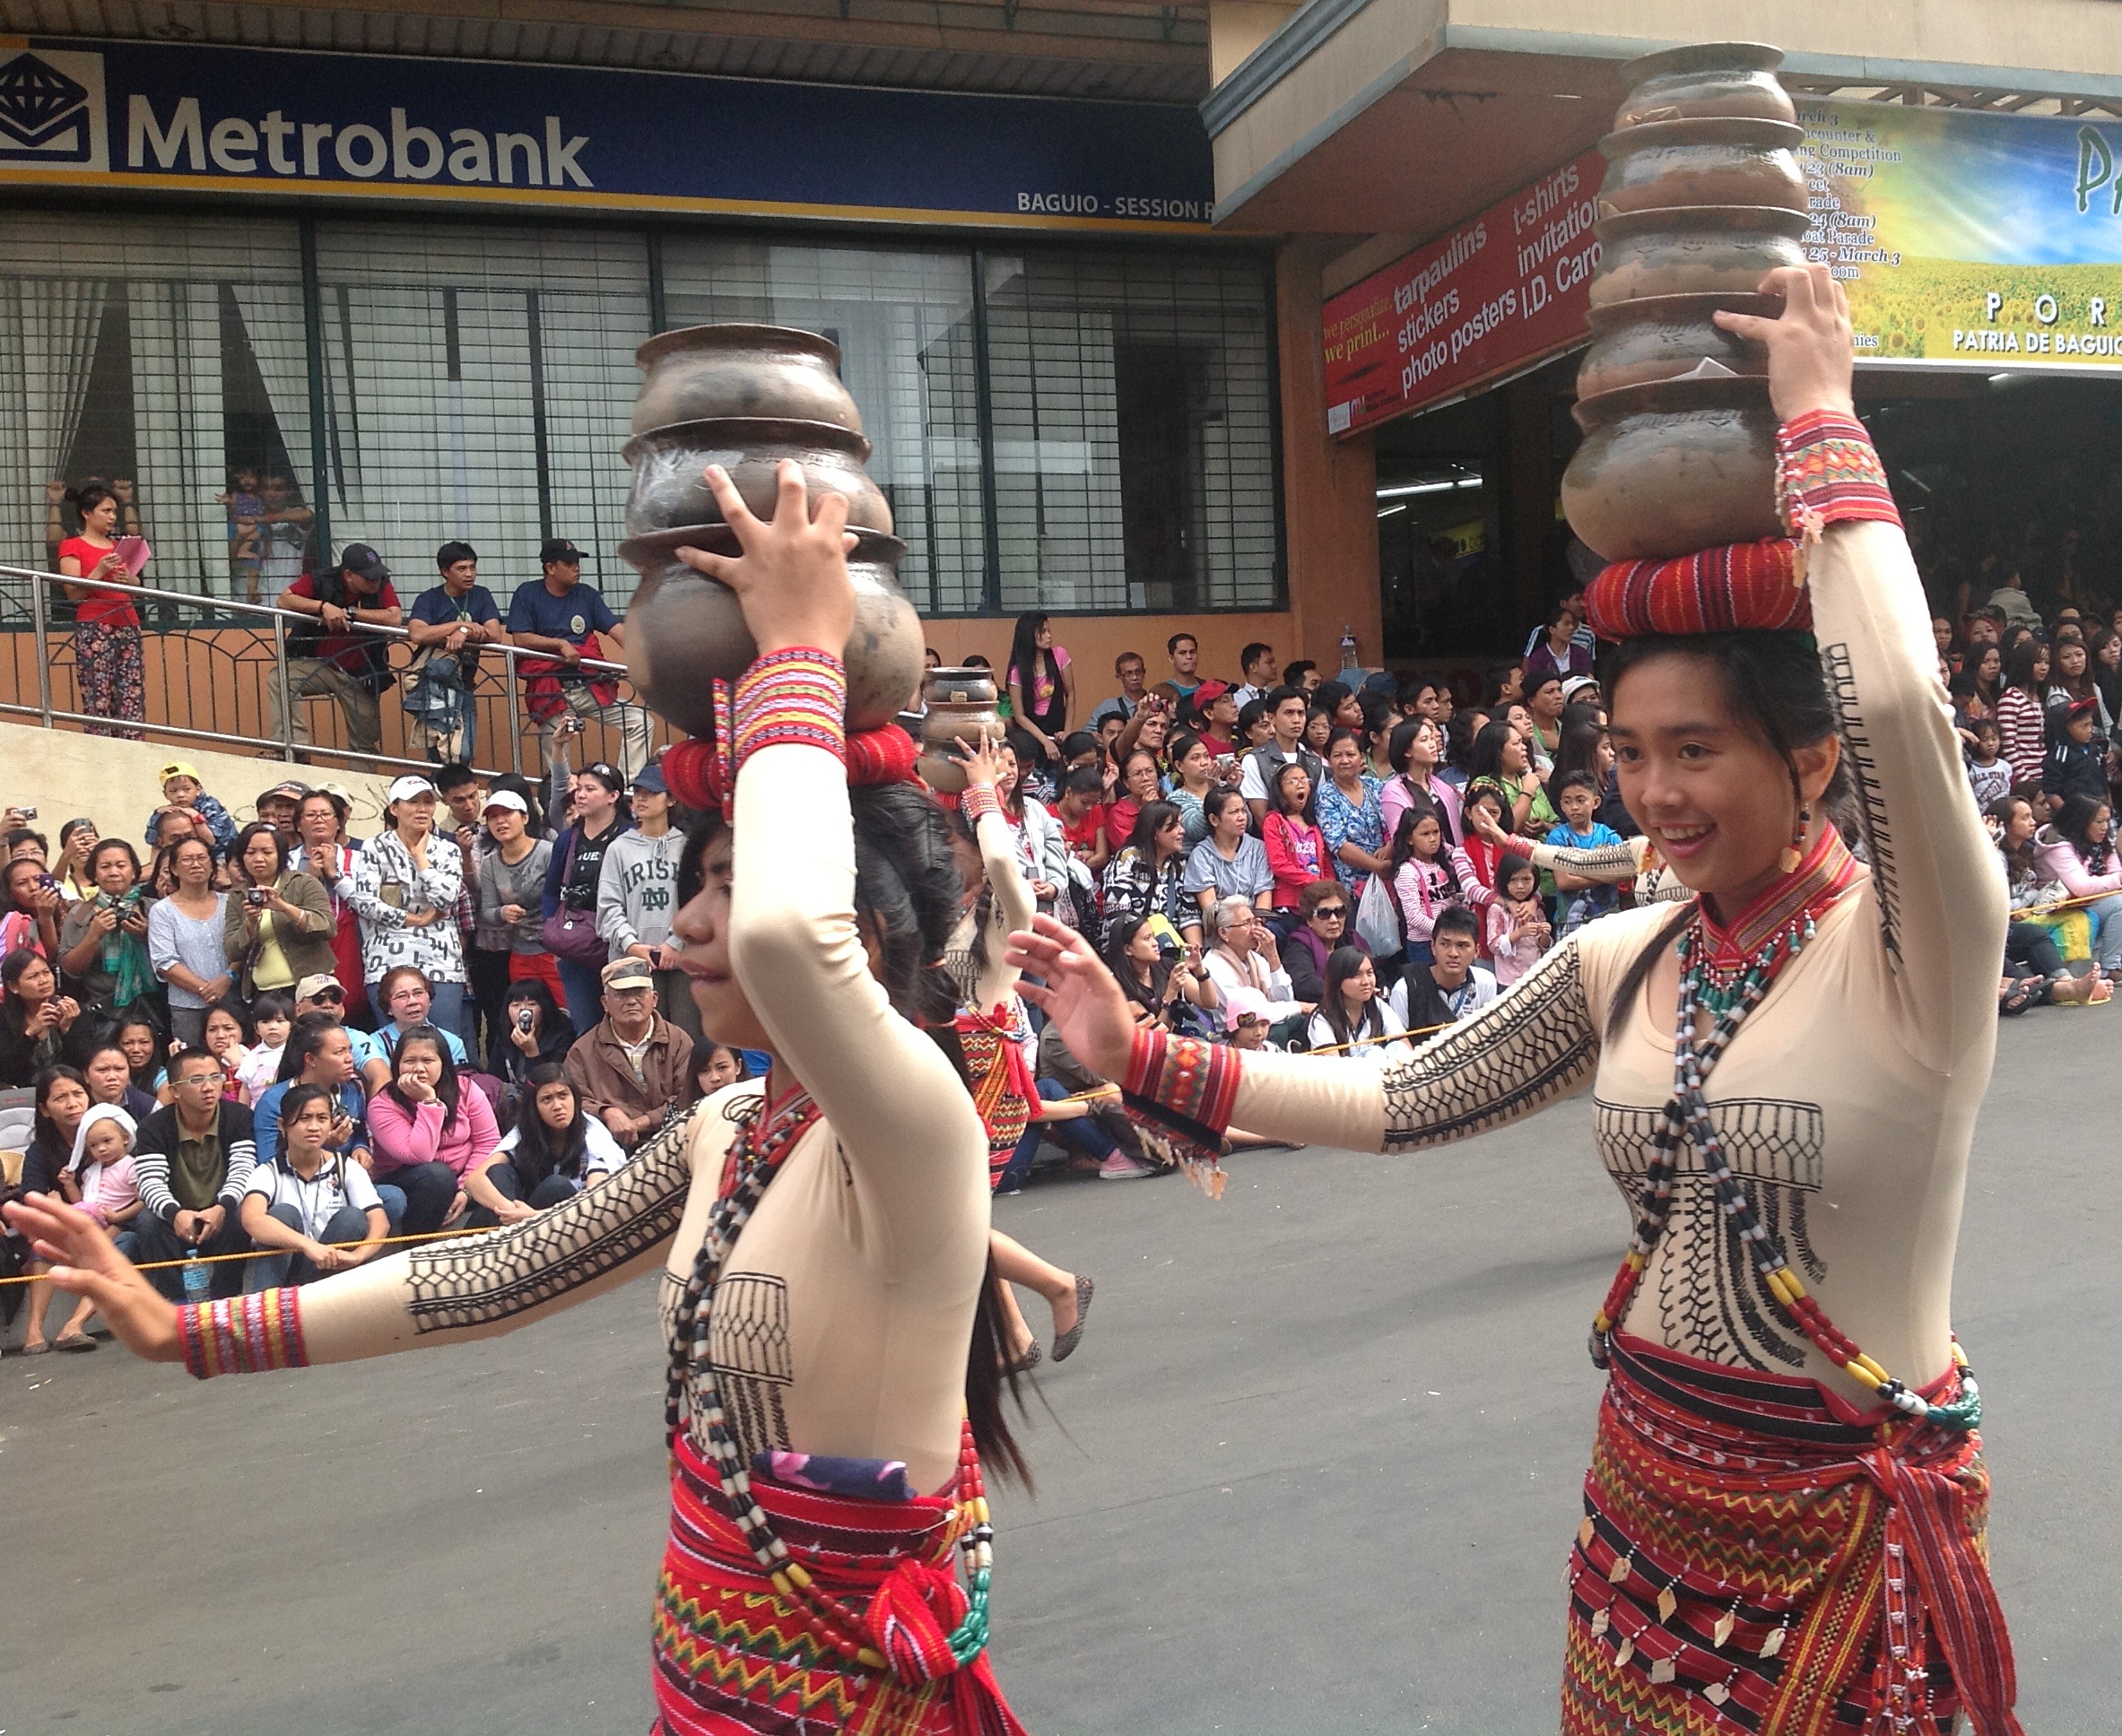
506,799
404,789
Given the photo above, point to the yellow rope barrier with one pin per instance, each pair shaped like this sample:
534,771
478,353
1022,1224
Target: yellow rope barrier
264,1252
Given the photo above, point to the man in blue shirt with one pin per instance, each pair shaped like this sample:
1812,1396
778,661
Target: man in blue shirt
565,620
452,621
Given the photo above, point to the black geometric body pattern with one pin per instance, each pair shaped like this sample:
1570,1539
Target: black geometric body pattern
633,1210
749,1351
36,97
1536,1045
1711,1302
1840,670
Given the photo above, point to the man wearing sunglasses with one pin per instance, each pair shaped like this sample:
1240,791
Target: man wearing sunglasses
1329,922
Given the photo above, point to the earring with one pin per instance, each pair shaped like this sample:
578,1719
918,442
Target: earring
1793,852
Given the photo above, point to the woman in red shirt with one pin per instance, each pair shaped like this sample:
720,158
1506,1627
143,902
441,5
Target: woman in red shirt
1296,847
107,665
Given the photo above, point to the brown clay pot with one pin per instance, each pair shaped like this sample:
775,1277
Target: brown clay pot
1703,163
669,489
1704,78
692,630
962,706
1662,335
1673,466
742,370
1698,250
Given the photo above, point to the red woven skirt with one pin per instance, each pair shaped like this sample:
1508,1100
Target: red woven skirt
1755,1559
734,1657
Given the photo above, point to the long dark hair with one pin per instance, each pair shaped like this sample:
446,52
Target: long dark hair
539,1151
1026,658
305,1038
2019,662
1342,965
1310,813
2019,864
1401,851
1486,758
2072,823
448,1087
1153,819
1577,750
44,1130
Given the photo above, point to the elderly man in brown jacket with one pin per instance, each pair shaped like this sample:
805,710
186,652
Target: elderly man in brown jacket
633,1065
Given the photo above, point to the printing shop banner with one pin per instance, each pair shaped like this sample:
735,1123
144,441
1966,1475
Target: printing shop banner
1970,239
168,118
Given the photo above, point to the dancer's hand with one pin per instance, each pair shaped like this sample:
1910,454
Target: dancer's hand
1079,994
85,1262
791,579
1811,353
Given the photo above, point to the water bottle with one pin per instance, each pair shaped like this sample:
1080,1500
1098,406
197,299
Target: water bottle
1348,647
199,1279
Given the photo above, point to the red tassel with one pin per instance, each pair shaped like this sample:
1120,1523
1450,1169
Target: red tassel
910,1618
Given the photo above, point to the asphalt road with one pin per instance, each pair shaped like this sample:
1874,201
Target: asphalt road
1313,1469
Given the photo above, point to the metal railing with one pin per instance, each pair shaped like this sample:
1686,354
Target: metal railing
230,663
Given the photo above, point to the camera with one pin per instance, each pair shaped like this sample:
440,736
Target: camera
524,1018
28,814
255,896
47,882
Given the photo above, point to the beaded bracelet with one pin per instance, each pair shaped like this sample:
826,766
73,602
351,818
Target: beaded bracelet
243,1335
796,697
978,802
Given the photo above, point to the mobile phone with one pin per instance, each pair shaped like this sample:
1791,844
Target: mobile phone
524,1018
47,882
255,896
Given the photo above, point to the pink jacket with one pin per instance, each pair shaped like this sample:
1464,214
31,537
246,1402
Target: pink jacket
401,1138
2057,858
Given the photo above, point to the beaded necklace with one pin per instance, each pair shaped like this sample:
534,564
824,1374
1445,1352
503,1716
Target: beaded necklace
693,1402
1721,976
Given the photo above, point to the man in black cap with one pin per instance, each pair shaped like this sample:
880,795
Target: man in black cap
566,620
336,657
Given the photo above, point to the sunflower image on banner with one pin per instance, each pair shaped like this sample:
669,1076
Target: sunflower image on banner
1967,239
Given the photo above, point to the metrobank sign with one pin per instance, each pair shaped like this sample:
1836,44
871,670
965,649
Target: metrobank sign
142,116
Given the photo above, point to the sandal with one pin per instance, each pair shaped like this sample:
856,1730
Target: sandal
41,1348
1064,1345
75,1343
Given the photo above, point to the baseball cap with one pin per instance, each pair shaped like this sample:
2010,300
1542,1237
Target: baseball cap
1209,692
1574,685
290,788
1242,1003
559,548
340,793
404,789
507,799
651,780
310,987
628,973
181,768
359,557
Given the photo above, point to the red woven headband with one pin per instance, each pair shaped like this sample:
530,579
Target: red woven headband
1737,587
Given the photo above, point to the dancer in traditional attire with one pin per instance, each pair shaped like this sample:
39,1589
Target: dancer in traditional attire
1784,1517
823,1239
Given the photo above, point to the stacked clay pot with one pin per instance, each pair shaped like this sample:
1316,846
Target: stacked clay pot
1703,196
746,397
963,707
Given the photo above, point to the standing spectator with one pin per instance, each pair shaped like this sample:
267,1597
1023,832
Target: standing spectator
1558,653
277,924
107,653
184,941
1215,717
1193,782
2021,712
485,948
1424,879
1518,931
34,1018
32,912
1582,638
285,527
322,1212
452,621
108,1069
332,657
183,791
634,1067
1350,813
77,837
1134,674
1261,670
1229,862
1041,684
103,943
1297,850
552,1154
1183,651
573,882
428,1118
192,1163
327,858
564,620
512,896
276,807
637,895
406,888
1288,711
1415,749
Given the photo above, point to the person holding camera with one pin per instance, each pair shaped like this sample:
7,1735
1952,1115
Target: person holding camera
34,1018
535,1030
278,925
103,942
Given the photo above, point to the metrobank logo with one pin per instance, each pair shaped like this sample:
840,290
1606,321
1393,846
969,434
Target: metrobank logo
51,110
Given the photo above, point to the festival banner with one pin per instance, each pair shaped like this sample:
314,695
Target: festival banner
1489,298
1970,239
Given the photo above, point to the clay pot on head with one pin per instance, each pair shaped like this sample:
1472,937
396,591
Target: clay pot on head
670,489
691,631
962,706
1704,78
1660,336
1672,467
1703,163
772,371
1693,250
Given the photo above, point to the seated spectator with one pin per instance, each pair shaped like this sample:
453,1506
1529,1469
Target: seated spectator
2078,849
1139,786
1449,985
141,1040
1193,781
277,926
535,1030
224,1042
1518,931
320,1052
552,1154
31,909
203,816
428,1120
405,997
2077,761
1297,850
1352,1019
1134,674
34,1018
1094,1131
321,1212
191,1162
633,1070
100,1182
565,620
1575,797
109,1071
61,1103
184,930
1989,772
1229,862
1159,982
1327,912
103,943
1426,879
336,657
1145,878
716,1065
328,996
1081,814
1244,955
271,1016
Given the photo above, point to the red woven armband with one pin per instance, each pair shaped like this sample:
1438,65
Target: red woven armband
1195,1081
245,1335
1827,470
792,697
978,802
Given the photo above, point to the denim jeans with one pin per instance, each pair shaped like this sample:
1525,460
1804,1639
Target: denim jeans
427,1190
584,983
1083,1135
270,1271
2105,919
157,1241
554,1190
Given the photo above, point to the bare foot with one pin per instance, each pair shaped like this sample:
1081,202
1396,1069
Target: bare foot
2080,991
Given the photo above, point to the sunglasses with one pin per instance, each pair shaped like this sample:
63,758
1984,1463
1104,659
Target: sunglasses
329,997
1331,910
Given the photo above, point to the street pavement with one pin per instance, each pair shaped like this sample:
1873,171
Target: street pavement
1313,1469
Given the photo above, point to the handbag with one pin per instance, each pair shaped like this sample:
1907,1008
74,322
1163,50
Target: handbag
1377,918
572,935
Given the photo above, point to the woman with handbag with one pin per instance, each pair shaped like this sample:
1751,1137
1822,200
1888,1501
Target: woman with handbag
571,887
406,883
277,922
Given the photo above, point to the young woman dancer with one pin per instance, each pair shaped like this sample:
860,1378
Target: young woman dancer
1784,1513
823,1238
